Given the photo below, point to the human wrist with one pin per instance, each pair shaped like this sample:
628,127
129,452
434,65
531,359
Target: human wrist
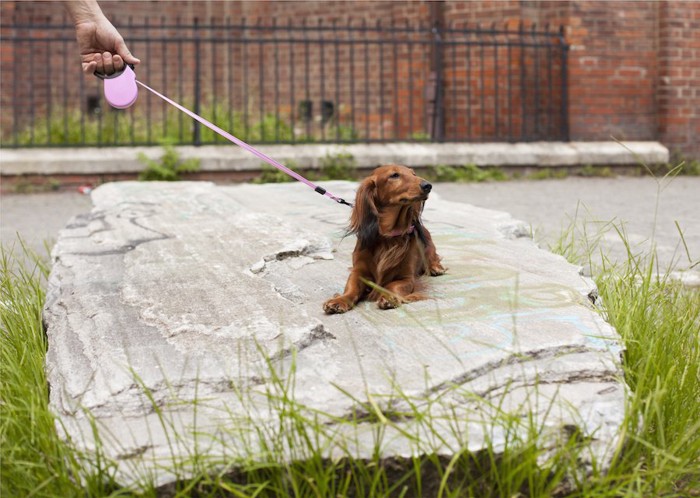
84,11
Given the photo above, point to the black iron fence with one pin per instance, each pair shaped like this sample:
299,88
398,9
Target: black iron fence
286,83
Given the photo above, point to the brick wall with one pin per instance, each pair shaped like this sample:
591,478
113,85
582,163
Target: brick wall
612,73
633,69
679,77
521,91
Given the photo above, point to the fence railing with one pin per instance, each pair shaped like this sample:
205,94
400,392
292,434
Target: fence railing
287,83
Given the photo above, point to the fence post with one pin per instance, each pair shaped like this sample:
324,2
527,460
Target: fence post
564,85
436,112
197,135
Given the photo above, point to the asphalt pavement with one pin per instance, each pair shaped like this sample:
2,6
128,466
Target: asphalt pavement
641,214
651,212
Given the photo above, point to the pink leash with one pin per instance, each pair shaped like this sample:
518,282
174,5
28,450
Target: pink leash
121,91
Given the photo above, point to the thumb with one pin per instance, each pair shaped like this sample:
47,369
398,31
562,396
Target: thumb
124,52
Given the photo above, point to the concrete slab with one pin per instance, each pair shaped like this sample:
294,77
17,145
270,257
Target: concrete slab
229,158
167,293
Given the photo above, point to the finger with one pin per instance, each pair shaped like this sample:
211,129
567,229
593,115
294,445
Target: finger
98,64
89,67
108,63
118,63
124,52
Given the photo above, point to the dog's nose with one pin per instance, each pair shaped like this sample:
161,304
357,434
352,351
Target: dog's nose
425,186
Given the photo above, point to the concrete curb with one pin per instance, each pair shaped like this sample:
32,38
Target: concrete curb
229,158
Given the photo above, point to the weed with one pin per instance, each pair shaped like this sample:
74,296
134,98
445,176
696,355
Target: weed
590,171
140,126
466,173
26,187
342,133
270,129
658,320
686,166
420,136
340,166
548,174
691,167
168,168
270,174
35,460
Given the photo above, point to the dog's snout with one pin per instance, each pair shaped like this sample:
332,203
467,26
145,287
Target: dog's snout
425,186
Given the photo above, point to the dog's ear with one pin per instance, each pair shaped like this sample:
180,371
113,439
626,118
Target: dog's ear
364,220
417,221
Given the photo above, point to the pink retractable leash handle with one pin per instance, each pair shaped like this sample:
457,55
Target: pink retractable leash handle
121,91
120,88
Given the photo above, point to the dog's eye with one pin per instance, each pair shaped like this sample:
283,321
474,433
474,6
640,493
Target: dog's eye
394,175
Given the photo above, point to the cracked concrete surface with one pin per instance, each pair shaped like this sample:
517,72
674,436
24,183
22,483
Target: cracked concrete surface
167,293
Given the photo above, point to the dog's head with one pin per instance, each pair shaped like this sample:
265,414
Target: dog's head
389,186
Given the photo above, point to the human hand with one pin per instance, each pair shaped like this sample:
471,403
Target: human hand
102,48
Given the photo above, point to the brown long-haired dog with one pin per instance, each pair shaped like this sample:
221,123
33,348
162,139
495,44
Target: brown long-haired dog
393,247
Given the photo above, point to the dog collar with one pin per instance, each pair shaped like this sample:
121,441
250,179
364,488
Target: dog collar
399,233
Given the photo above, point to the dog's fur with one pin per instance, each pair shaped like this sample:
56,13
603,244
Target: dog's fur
393,247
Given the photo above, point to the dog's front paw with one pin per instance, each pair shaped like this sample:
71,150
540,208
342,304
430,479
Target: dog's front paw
437,269
388,302
336,305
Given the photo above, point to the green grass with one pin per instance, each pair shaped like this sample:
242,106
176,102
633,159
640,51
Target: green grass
137,125
687,165
339,166
169,167
590,171
35,461
141,125
657,319
659,322
548,174
465,173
